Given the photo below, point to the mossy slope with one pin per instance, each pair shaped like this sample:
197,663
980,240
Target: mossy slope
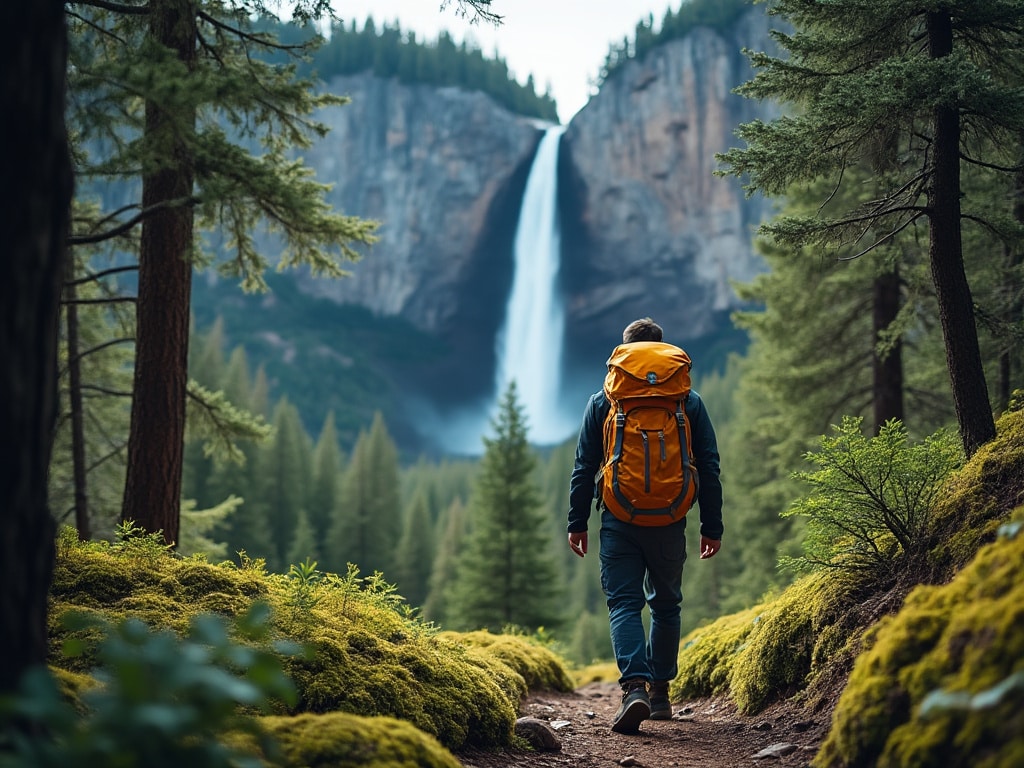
768,651
369,660
964,638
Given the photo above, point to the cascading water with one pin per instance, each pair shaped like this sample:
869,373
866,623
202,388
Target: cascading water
529,345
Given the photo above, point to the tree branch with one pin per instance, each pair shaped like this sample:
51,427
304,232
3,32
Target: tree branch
100,275
136,10
126,226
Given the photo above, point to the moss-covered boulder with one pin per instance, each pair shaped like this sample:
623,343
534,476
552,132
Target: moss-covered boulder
540,668
942,683
339,740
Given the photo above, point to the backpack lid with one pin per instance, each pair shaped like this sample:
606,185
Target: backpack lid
647,368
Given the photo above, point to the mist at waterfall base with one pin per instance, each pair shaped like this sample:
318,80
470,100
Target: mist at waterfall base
529,344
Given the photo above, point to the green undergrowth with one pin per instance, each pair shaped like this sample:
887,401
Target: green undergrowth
942,681
781,647
366,658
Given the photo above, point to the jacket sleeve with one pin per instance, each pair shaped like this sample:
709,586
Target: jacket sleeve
706,459
589,455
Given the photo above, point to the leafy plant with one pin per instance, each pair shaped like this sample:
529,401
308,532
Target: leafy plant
303,579
163,701
134,540
871,497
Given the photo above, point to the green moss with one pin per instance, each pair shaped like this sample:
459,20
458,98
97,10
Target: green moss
706,654
367,659
978,497
539,666
603,672
72,685
963,637
435,684
340,740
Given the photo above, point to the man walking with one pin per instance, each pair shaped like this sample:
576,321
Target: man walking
648,440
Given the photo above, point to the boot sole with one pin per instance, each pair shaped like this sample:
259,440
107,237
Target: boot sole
660,715
634,714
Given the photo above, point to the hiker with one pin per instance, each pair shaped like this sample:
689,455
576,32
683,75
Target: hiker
645,468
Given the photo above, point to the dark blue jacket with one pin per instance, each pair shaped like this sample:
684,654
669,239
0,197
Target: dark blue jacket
590,456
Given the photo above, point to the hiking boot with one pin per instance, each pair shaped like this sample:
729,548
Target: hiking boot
634,709
661,707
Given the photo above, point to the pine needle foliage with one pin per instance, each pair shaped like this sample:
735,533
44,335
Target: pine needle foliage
914,91
505,575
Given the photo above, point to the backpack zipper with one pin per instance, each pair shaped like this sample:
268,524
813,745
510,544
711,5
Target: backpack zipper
661,440
647,461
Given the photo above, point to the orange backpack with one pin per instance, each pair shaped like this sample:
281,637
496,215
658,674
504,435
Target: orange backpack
648,477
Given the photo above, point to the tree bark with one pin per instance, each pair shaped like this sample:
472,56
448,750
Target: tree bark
38,183
1013,310
956,308
887,371
152,497
80,471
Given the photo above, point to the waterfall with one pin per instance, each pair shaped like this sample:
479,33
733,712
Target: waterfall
529,345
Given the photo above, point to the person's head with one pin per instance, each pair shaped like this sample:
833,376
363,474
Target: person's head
643,329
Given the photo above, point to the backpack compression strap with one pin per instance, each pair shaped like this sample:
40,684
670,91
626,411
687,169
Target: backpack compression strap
684,441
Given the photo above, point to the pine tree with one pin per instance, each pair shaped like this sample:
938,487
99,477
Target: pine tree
150,84
442,570
506,574
325,493
913,91
368,522
303,544
207,366
283,480
415,555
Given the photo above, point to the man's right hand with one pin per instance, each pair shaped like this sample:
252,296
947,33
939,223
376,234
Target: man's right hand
578,542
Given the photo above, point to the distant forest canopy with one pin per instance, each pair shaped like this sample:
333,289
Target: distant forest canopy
717,14
388,52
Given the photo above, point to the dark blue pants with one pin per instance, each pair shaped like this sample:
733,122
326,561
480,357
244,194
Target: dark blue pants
643,566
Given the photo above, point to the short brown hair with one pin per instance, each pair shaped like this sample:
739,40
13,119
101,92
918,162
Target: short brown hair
643,329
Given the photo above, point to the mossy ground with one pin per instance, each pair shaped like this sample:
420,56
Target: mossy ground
368,660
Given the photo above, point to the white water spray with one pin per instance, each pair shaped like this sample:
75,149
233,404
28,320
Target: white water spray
529,345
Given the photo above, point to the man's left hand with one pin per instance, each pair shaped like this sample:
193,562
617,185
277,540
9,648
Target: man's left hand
708,547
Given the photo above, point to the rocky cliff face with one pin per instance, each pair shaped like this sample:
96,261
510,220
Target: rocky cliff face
650,229
647,229
440,169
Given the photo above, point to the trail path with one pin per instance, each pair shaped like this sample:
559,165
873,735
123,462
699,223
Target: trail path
702,734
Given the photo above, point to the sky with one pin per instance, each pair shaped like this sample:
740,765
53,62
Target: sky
562,43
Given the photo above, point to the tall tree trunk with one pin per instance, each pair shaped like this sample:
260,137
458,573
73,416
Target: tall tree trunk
80,473
887,383
38,182
956,309
1013,312
152,495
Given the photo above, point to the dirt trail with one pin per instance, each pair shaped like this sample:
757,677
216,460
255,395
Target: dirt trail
702,734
